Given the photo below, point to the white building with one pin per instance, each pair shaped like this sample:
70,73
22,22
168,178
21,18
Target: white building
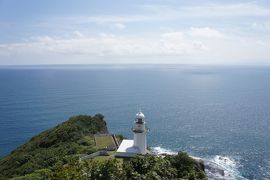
138,145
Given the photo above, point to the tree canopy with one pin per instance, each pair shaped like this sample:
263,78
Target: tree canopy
148,167
54,147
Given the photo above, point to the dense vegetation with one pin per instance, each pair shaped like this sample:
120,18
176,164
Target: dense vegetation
54,154
54,147
147,167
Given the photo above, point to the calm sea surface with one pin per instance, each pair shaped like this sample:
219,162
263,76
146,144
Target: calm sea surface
218,113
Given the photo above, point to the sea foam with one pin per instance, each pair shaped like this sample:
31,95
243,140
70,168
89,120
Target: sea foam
159,151
216,164
216,167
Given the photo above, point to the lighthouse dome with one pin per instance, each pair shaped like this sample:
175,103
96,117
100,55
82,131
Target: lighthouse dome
139,115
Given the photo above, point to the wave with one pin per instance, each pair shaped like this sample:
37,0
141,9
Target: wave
159,151
216,167
222,167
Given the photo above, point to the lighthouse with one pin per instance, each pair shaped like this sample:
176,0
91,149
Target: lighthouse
139,130
130,148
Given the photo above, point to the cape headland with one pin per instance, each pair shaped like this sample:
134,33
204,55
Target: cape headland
82,148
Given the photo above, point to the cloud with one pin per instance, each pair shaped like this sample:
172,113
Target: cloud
205,32
210,10
166,44
107,19
231,10
178,43
261,26
261,43
78,34
176,35
174,12
119,26
196,44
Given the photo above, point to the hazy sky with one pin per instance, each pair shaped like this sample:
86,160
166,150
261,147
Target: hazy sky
134,31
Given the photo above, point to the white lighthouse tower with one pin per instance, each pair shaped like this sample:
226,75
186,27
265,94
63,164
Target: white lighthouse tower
139,129
130,148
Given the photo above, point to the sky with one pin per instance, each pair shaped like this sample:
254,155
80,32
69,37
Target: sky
134,31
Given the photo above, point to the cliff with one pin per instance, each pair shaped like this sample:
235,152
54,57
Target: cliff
54,147
54,154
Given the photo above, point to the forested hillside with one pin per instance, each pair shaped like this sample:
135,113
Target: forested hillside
54,147
54,154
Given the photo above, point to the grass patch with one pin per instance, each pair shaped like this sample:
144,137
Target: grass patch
103,141
102,158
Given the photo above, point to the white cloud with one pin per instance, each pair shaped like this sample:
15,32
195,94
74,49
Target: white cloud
261,43
176,35
119,26
166,29
231,10
173,12
78,34
210,10
198,45
167,44
205,32
178,43
108,19
262,26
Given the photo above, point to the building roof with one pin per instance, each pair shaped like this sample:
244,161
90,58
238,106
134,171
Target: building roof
140,115
127,147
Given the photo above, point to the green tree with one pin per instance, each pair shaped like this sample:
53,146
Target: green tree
54,146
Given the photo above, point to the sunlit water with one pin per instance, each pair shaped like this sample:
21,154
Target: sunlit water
221,114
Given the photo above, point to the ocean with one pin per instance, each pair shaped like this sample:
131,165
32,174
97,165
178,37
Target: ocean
219,113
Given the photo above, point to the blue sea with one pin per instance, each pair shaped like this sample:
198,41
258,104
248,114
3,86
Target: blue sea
219,113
